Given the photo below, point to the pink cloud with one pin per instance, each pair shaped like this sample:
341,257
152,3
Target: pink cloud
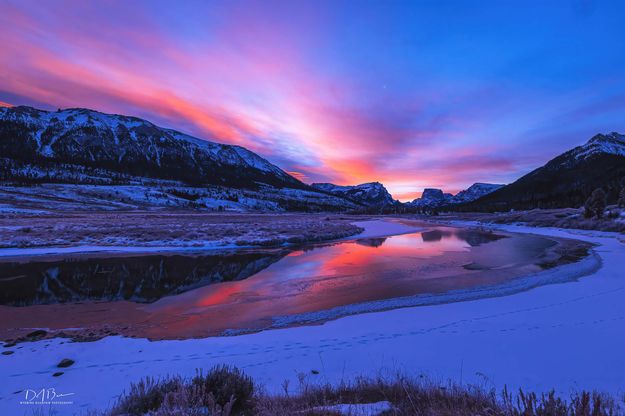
244,82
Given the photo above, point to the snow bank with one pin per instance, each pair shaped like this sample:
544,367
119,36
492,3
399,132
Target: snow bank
566,273
563,336
39,251
362,409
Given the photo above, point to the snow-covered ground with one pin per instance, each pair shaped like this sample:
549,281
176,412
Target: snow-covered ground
374,229
146,231
39,251
564,336
153,194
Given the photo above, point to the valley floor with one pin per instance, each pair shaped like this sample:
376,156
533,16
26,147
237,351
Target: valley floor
65,232
565,336
613,220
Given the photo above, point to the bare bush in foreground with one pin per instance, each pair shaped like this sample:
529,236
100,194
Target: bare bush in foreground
226,391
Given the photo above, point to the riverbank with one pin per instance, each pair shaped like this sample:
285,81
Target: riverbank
141,232
570,218
199,294
568,336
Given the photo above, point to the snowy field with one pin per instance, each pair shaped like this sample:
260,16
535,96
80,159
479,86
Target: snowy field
156,195
565,336
143,231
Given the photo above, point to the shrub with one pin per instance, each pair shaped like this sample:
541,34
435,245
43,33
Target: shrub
227,384
226,391
191,401
422,397
145,396
222,391
595,204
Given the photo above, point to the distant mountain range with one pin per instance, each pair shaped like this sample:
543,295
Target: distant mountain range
435,198
85,147
108,161
372,194
565,181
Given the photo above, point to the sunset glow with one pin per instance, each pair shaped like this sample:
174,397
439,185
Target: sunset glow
410,95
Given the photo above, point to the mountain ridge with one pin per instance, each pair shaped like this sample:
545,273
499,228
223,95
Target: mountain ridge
371,194
83,147
435,198
130,145
567,180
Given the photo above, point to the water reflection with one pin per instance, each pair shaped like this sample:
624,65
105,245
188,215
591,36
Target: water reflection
354,270
472,237
138,278
371,242
210,294
342,274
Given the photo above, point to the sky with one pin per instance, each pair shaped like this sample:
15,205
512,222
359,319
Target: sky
411,94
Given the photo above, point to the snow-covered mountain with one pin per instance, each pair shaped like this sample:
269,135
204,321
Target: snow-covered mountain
475,191
371,194
600,144
432,197
81,147
567,180
128,146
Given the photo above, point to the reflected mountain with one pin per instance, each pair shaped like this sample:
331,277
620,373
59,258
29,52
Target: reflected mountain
259,288
147,278
476,238
138,278
435,235
472,237
371,242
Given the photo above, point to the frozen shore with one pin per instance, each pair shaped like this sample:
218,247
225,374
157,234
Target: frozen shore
563,336
342,230
151,232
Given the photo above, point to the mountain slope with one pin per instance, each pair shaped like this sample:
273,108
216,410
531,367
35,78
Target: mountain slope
82,159
372,194
565,181
81,144
475,191
433,198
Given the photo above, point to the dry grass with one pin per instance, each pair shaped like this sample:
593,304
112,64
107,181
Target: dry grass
184,229
225,391
559,218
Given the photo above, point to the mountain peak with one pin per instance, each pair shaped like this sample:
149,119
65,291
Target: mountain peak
566,180
475,191
433,197
612,143
614,136
433,193
132,146
369,194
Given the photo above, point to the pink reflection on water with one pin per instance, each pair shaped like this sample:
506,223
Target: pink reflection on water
325,277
